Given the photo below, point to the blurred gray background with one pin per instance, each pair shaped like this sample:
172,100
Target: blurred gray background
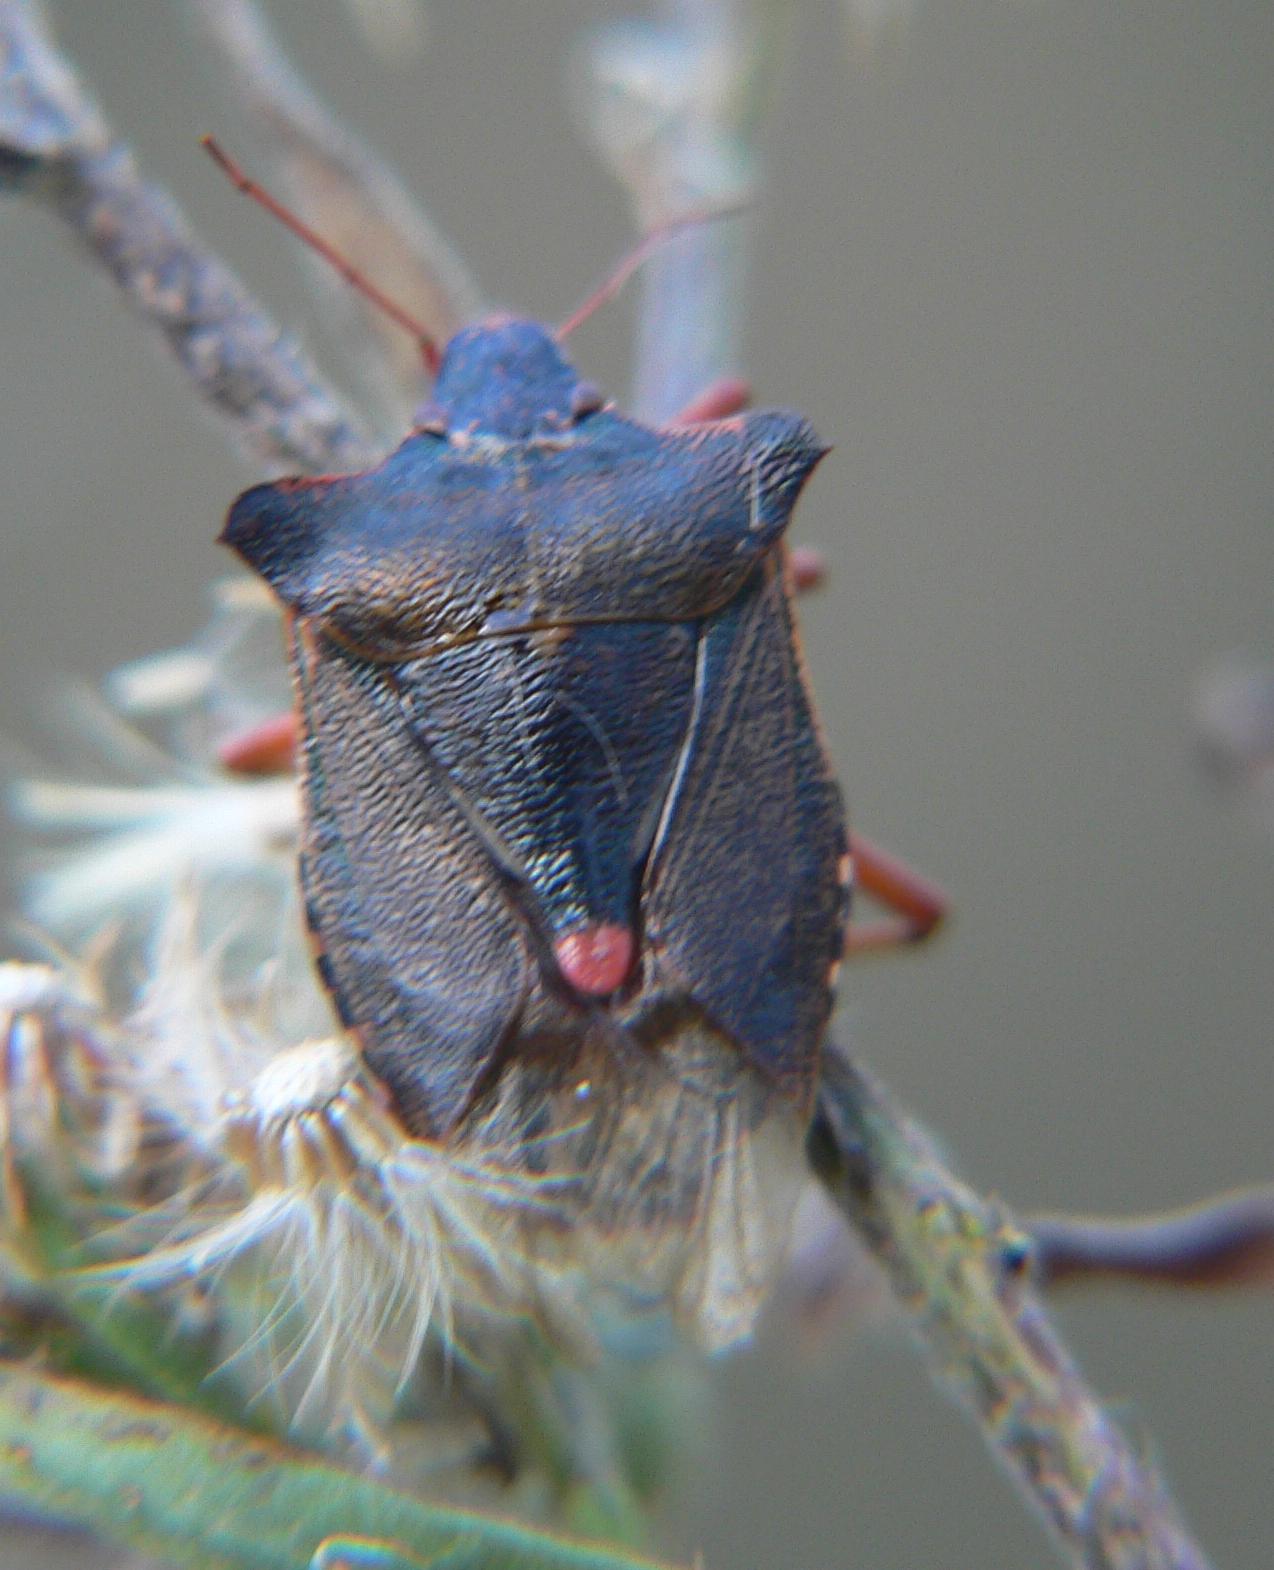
1016,266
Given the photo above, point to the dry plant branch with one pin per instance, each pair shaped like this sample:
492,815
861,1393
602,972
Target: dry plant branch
1225,1241
961,1266
347,193
56,148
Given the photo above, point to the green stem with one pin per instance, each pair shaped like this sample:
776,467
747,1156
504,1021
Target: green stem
200,1495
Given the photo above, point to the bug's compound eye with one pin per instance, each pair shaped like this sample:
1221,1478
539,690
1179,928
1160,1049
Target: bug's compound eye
586,399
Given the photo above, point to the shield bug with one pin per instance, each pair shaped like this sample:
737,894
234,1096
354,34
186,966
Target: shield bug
573,857
559,758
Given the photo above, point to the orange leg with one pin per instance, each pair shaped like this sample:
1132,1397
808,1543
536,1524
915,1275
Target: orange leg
267,748
727,396
809,570
917,905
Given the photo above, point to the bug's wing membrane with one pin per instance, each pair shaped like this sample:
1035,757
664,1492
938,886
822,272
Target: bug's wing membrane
397,888
744,902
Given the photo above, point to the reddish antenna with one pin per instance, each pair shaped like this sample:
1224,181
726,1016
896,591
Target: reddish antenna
357,280
628,264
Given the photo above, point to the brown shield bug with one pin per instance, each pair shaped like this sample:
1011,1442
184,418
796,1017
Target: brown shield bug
559,762
570,832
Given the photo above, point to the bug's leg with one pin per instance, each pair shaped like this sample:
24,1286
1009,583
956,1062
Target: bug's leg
807,567
918,905
378,1553
267,748
728,395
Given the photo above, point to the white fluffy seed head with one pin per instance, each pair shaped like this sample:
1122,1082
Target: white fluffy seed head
304,1078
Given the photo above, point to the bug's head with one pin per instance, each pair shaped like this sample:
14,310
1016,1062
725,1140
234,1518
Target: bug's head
507,378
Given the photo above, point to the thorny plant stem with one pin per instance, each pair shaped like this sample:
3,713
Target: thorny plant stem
960,1265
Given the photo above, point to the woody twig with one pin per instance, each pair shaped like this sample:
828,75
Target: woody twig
960,1265
347,192
56,148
